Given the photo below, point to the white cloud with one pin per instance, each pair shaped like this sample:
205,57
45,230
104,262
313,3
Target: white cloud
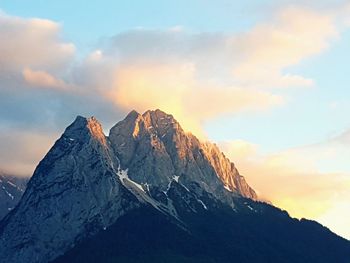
34,43
270,48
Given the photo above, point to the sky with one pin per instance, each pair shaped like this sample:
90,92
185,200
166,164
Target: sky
268,81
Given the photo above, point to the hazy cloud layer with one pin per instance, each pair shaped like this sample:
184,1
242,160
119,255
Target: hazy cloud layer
32,43
299,179
30,145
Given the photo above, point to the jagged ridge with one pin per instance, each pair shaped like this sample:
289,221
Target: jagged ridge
156,140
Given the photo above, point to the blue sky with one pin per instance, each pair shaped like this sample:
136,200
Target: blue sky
104,18
266,80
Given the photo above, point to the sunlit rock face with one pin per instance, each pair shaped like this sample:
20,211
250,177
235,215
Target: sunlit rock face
155,150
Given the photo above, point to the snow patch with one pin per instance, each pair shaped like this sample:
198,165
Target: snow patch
185,188
10,195
201,202
250,208
10,183
227,188
176,178
147,187
143,195
123,175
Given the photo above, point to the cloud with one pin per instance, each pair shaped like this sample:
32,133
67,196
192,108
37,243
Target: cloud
173,88
23,149
39,90
34,43
39,78
293,35
151,86
259,57
294,179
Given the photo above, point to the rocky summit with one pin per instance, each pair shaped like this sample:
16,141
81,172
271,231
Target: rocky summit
150,192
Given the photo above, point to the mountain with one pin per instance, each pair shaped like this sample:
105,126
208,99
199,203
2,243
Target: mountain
150,192
11,190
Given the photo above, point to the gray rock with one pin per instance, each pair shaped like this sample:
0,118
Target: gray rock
74,191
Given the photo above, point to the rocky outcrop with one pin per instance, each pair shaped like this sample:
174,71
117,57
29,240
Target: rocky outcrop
155,150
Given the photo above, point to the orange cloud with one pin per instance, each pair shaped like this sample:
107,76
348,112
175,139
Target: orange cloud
173,88
291,180
43,79
146,86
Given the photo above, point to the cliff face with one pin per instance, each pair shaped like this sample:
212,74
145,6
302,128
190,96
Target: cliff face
155,149
74,191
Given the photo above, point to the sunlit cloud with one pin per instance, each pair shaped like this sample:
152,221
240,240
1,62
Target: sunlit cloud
173,88
294,179
42,79
34,43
